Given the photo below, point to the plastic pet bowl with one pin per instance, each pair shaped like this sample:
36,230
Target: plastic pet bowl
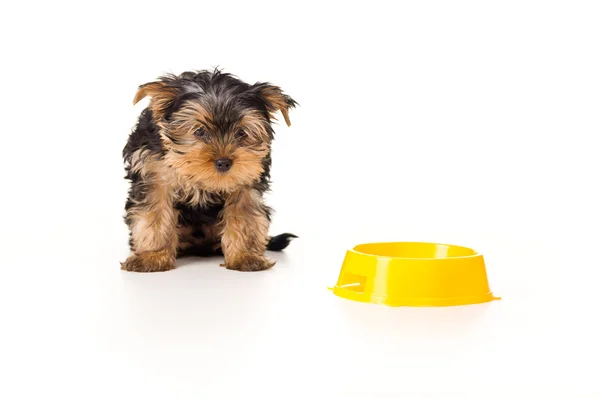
413,274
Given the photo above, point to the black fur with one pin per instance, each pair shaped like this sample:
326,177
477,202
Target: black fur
280,242
145,135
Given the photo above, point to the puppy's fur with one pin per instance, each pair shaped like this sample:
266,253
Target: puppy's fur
199,163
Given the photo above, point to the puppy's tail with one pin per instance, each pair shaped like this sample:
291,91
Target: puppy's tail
280,242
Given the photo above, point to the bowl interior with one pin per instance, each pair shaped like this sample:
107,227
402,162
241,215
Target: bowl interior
414,250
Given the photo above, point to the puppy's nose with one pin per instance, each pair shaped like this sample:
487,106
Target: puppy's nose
223,165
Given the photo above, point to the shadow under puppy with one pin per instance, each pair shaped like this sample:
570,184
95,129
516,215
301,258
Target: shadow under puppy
199,163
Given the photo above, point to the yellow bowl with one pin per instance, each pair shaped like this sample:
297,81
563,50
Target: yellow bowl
413,274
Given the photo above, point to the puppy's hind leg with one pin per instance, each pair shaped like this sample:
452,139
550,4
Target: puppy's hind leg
200,241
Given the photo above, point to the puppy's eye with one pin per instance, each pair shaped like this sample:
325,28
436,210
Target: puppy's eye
202,134
240,135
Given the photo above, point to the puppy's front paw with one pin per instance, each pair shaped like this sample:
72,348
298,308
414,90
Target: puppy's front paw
249,264
157,261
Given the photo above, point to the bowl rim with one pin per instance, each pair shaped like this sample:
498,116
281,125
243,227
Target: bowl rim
354,250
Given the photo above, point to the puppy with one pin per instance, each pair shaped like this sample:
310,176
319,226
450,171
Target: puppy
199,161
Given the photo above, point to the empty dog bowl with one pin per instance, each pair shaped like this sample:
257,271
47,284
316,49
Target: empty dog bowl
413,274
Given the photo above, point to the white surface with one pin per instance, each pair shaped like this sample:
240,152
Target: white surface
457,122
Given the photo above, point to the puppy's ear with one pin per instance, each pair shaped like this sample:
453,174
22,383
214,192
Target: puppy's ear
276,100
161,93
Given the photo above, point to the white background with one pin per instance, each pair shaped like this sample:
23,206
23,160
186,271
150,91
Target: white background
463,122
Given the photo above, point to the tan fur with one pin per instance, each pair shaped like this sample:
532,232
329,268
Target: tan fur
161,94
185,122
153,223
196,167
252,124
154,261
192,114
245,232
188,192
143,163
275,96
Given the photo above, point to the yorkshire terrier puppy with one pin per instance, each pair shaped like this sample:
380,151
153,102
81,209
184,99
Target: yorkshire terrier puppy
199,163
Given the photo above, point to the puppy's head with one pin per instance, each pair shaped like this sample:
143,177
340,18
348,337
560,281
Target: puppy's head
216,129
